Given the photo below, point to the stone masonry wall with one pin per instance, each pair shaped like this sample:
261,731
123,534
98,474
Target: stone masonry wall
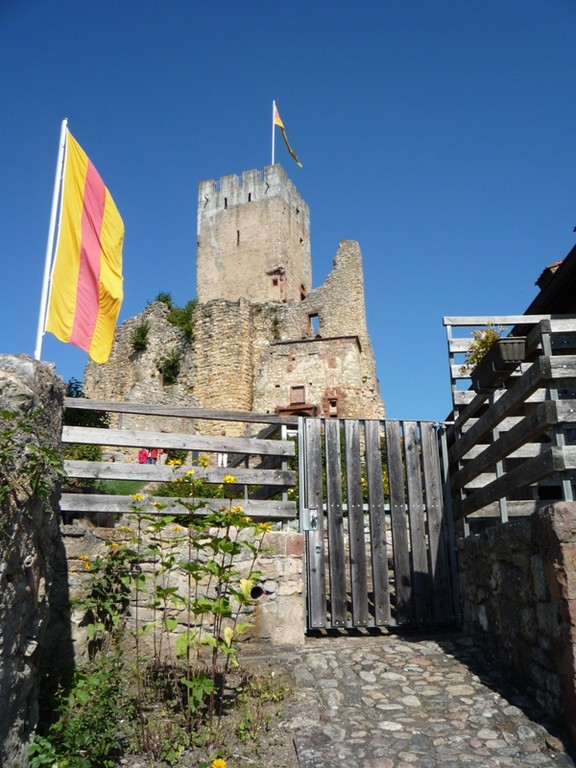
30,545
518,585
277,614
132,376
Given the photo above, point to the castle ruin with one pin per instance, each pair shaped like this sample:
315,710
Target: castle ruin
264,340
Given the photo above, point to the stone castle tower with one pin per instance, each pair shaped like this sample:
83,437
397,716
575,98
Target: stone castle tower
253,239
265,341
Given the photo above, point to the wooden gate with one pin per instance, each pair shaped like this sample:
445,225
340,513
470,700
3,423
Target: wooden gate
379,545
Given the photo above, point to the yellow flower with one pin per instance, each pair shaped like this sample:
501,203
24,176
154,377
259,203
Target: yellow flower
227,479
138,497
203,460
219,763
236,509
190,472
246,519
175,462
264,527
114,546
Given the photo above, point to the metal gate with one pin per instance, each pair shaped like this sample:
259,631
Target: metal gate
379,546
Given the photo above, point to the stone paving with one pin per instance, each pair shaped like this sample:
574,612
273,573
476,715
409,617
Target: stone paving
407,702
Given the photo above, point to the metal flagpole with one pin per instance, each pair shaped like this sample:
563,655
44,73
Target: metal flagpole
50,243
273,126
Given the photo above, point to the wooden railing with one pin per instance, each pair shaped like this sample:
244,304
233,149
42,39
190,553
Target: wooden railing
512,447
259,464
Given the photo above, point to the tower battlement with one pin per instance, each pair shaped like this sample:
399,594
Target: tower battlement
215,195
253,238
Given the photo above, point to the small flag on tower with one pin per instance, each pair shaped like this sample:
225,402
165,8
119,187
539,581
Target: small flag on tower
86,283
277,120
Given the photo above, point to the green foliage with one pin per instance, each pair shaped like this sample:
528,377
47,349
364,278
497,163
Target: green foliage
86,732
176,455
24,464
181,317
118,487
184,571
165,298
482,340
252,694
139,338
169,367
191,486
184,318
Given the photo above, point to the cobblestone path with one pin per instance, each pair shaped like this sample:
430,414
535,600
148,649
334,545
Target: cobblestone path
390,702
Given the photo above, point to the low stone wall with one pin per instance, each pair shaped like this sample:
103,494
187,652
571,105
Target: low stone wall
277,614
518,585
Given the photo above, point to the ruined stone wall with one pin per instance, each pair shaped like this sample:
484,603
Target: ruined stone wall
518,585
253,239
338,309
248,352
134,376
30,546
325,370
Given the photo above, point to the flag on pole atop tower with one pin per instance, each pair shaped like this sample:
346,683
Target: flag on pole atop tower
86,277
277,120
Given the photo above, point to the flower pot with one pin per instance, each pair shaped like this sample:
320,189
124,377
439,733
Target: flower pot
497,364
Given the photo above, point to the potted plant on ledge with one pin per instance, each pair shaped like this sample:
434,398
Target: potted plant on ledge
491,358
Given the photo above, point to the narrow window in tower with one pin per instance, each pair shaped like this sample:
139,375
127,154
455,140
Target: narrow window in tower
225,202
237,237
302,292
249,197
333,408
313,324
274,281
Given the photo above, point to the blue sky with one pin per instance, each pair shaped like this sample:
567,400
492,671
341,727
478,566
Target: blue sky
439,135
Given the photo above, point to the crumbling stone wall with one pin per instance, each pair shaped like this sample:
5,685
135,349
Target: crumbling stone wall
518,585
247,356
30,545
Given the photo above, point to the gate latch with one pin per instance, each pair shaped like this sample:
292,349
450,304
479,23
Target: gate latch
309,519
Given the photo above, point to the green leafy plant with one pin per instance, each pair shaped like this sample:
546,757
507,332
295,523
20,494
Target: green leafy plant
194,575
165,298
27,465
184,318
181,317
86,732
140,336
169,367
482,341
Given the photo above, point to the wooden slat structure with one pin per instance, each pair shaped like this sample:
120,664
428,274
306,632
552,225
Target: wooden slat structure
377,540
258,463
512,447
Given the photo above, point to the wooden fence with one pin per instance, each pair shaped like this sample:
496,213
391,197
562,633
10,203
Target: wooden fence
259,463
511,444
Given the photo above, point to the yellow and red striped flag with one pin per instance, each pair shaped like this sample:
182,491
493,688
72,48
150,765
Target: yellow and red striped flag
280,124
86,289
